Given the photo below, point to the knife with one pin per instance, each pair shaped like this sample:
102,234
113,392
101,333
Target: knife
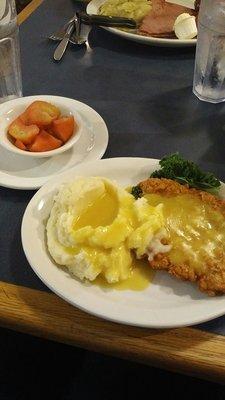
104,20
61,48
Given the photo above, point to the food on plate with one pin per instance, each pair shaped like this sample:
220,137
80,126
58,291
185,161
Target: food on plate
20,144
63,128
159,22
175,167
97,229
135,9
140,278
41,127
44,142
195,223
157,18
170,221
24,133
185,172
41,113
185,26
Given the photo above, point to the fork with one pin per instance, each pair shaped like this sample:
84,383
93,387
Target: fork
59,35
75,37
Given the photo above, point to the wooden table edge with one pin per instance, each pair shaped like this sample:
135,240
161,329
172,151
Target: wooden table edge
28,10
42,314
185,350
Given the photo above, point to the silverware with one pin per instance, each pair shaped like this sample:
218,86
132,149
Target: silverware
78,37
82,39
77,26
61,48
83,34
84,19
59,36
104,20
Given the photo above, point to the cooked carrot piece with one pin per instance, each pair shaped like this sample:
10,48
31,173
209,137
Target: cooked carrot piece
63,128
23,118
41,113
20,144
45,142
24,133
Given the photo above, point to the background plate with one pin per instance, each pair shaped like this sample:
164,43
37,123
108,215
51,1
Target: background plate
20,172
93,7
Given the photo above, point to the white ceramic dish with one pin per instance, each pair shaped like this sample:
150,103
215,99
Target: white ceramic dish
166,303
10,110
19,172
93,7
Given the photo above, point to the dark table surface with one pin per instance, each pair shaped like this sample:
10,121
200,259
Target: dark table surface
144,94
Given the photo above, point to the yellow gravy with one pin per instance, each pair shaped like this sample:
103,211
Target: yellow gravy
196,231
101,212
140,278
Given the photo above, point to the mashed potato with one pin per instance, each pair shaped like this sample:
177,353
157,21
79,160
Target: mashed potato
95,226
135,9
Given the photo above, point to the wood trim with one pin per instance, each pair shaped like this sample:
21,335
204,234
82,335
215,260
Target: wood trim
31,7
185,350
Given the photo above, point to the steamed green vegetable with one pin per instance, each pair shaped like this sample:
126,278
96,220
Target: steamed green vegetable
186,172
183,171
136,192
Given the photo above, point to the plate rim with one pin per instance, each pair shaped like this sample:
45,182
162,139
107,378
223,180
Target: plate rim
149,40
34,183
195,320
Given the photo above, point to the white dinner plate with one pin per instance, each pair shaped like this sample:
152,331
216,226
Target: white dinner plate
19,172
166,303
93,7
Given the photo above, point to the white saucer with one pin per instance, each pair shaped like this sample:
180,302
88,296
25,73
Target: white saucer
20,172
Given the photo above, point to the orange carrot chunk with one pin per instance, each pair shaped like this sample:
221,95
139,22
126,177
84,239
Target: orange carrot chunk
45,142
41,113
23,118
20,144
63,128
24,133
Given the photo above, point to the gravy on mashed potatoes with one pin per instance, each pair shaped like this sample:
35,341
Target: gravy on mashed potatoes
95,228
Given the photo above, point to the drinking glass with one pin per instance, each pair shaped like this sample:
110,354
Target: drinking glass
209,74
10,70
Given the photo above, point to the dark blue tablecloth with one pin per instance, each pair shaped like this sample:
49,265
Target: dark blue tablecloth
144,94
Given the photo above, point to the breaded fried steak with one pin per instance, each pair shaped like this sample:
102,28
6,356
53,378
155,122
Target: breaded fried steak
195,223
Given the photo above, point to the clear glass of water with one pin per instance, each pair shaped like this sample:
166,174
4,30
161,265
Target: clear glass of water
10,70
209,74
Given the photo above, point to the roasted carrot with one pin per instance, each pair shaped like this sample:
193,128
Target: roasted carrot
63,128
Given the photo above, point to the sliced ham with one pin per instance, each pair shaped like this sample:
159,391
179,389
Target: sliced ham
160,20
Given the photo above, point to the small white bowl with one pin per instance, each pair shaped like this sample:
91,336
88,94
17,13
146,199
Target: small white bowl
12,109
